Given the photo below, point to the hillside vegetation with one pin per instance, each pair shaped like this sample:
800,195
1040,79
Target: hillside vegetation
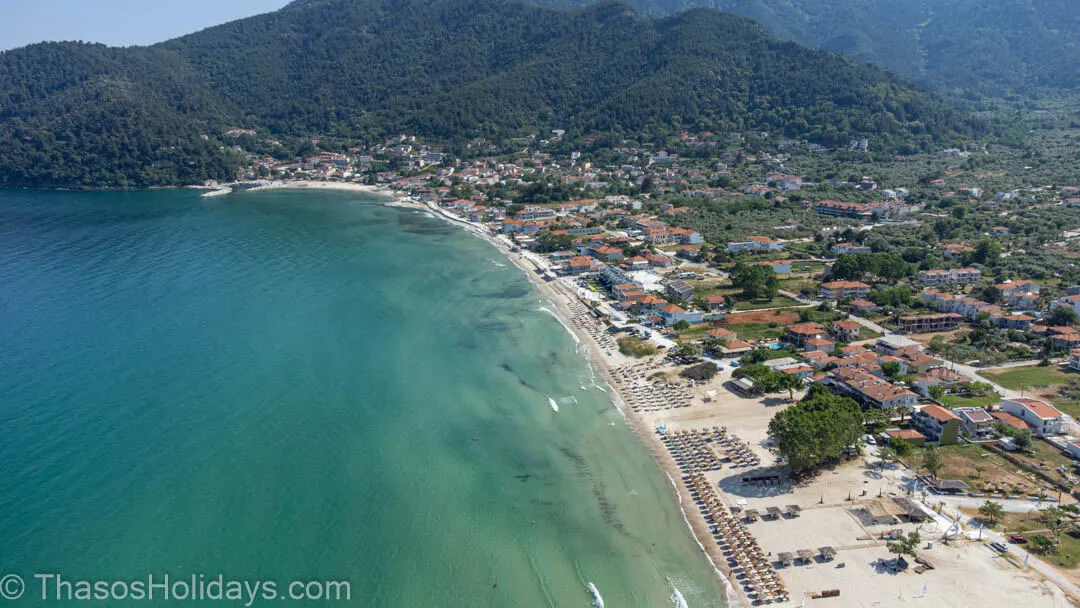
449,70
986,47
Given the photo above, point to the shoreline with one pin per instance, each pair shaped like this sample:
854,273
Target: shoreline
560,297
226,189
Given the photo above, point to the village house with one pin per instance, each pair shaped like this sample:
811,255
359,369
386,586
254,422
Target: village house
1066,338
975,422
1044,418
1072,302
732,345
680,290
840,290
799,333
937,424
579,264
1011,421
714,303
607,254
1019,294
952,250
913,437
672,314
845,331
651,303
755,244
955,276
1074,359
779,266
871,389
819,344
1073,448
949,380
850,248
842,209
862,306
924,324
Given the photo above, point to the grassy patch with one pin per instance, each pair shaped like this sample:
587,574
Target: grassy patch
1046,454
636,347
983,401
777,302
978,467
1032,377
866,333
757,331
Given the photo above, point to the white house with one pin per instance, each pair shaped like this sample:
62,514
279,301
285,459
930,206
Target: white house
1072,302
1073,448
1044,418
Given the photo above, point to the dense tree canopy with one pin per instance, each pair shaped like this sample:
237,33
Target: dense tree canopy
817,430
757,282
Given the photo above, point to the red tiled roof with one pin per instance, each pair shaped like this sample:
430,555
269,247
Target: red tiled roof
906,434
1012,421
939,413
1039,408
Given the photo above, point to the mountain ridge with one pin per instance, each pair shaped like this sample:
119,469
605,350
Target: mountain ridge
450,70
989,48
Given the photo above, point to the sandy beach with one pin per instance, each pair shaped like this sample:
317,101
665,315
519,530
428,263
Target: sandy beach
833,504
225,189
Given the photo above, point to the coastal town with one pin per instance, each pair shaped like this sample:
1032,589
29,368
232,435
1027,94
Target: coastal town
726,288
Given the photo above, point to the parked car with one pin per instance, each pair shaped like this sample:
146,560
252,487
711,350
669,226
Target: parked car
870,440
1016,539
999,546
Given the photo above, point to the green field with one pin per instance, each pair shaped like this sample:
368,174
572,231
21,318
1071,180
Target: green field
1032,377
777,302
985,400
756,331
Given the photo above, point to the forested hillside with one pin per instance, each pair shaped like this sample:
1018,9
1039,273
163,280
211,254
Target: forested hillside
988,47
449,70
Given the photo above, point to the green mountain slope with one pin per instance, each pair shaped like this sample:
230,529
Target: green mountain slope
443,69
989,47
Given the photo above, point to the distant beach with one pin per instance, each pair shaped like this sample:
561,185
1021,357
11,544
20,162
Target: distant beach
299,185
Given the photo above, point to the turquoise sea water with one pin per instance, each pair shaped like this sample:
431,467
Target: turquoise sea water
303,386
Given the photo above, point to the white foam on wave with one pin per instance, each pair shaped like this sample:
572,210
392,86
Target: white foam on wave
553,404
732,598
677,598
598,600
577,340
568,400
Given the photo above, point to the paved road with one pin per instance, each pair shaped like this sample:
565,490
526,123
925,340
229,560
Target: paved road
967,370
868,324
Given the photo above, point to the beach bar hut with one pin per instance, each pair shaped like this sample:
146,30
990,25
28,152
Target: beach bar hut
751,514
793,510
786,559
827,553
805,556
774,512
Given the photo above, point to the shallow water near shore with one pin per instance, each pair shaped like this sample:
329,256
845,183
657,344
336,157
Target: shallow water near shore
297,385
